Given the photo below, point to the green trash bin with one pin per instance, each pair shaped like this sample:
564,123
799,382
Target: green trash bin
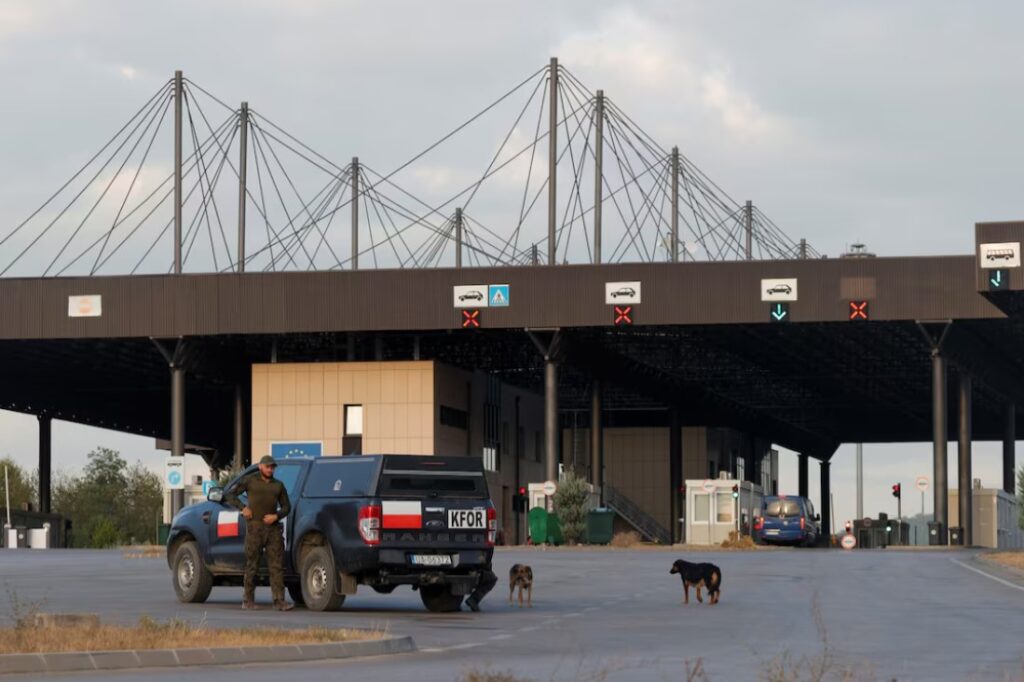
554,530
600,523
162,533
537,519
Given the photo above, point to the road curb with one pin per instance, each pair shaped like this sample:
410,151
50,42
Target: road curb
11,664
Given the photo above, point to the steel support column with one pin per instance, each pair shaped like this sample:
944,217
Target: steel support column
177,428
801,470
45,461
940,433
552,160
243,158
965,496
748,225
354,178
596,440
598,171
551,430
826,502
178,93
241,456
675,472
860,481
458,237
674,244
1009,447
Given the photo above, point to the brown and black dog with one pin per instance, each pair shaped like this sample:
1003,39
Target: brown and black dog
521,576
698,575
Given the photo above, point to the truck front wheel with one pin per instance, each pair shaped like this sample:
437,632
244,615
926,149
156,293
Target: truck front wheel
439,598
192,581
320,581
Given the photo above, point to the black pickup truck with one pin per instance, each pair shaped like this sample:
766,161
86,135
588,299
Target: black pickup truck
375,520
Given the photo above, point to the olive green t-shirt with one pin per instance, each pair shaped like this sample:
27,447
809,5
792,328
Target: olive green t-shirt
266,496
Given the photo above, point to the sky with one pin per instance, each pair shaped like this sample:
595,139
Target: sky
892,124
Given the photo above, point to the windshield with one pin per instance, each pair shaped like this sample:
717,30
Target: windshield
399,483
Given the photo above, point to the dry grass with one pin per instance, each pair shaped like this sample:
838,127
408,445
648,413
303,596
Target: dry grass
491,676
144,552
628,539
737,541
1010,559
151,634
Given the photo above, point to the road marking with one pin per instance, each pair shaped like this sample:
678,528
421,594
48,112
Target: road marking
530,628
572,615
506,636
988,575
591,608
468,645
433,651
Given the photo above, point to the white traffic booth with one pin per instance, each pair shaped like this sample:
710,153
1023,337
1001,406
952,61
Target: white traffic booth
714,509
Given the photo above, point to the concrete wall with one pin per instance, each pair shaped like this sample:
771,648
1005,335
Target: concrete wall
994,518
306,402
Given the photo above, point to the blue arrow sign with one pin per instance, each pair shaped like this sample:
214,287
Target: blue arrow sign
779,312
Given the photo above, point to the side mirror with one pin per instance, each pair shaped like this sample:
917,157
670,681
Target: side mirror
215,495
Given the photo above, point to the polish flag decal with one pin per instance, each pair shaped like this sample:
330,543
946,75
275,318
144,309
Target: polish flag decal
402,515
227,524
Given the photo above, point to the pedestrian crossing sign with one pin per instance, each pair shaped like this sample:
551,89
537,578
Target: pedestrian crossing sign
497,295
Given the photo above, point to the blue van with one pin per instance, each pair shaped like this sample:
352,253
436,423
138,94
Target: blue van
787,520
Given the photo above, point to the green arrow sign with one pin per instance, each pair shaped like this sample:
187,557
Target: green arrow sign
779,312
999,280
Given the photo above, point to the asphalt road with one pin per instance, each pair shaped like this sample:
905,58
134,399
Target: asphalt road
912,615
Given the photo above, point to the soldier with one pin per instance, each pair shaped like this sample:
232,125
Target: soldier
487,582
267,504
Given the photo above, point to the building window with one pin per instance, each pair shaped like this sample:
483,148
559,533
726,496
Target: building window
723,507
454,417
352,438
490,459
353,420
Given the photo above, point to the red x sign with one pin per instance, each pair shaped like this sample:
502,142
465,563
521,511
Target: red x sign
623,315
858,310
470,319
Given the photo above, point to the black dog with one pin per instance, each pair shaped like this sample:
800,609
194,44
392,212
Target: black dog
698,575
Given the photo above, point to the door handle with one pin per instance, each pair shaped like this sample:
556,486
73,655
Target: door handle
206,517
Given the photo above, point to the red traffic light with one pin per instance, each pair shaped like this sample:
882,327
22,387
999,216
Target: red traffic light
858,310
522,490
623,315
471,319
735,491
896,490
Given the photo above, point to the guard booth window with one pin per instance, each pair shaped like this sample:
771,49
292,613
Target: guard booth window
723,507
701,507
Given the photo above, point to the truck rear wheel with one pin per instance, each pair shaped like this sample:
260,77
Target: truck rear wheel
320,581
439,599
192,581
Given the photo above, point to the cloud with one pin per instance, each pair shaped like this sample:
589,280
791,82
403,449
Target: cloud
640,58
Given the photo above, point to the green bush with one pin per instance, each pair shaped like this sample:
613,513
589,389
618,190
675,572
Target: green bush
572,501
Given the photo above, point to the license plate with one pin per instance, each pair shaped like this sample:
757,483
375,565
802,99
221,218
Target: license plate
771,532
467,519
432,559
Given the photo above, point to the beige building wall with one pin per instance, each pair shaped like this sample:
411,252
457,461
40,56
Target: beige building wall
306,402
636,464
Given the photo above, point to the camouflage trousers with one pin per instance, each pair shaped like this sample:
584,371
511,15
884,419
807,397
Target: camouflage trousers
260,537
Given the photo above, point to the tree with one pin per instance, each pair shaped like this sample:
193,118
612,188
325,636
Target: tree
23,488
110,503
572,500
1020,497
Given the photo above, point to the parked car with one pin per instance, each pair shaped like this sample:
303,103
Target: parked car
374,520
787,520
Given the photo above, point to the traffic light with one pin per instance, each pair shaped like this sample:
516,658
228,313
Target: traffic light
519,500
849,526
896,492
735,491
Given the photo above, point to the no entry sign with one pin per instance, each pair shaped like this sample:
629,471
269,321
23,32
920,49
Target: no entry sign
848,541
922,483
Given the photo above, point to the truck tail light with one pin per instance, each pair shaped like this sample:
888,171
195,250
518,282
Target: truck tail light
492,526
803,523
758,523
369,523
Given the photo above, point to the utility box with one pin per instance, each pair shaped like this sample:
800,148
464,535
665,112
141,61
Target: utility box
934,533
39,538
